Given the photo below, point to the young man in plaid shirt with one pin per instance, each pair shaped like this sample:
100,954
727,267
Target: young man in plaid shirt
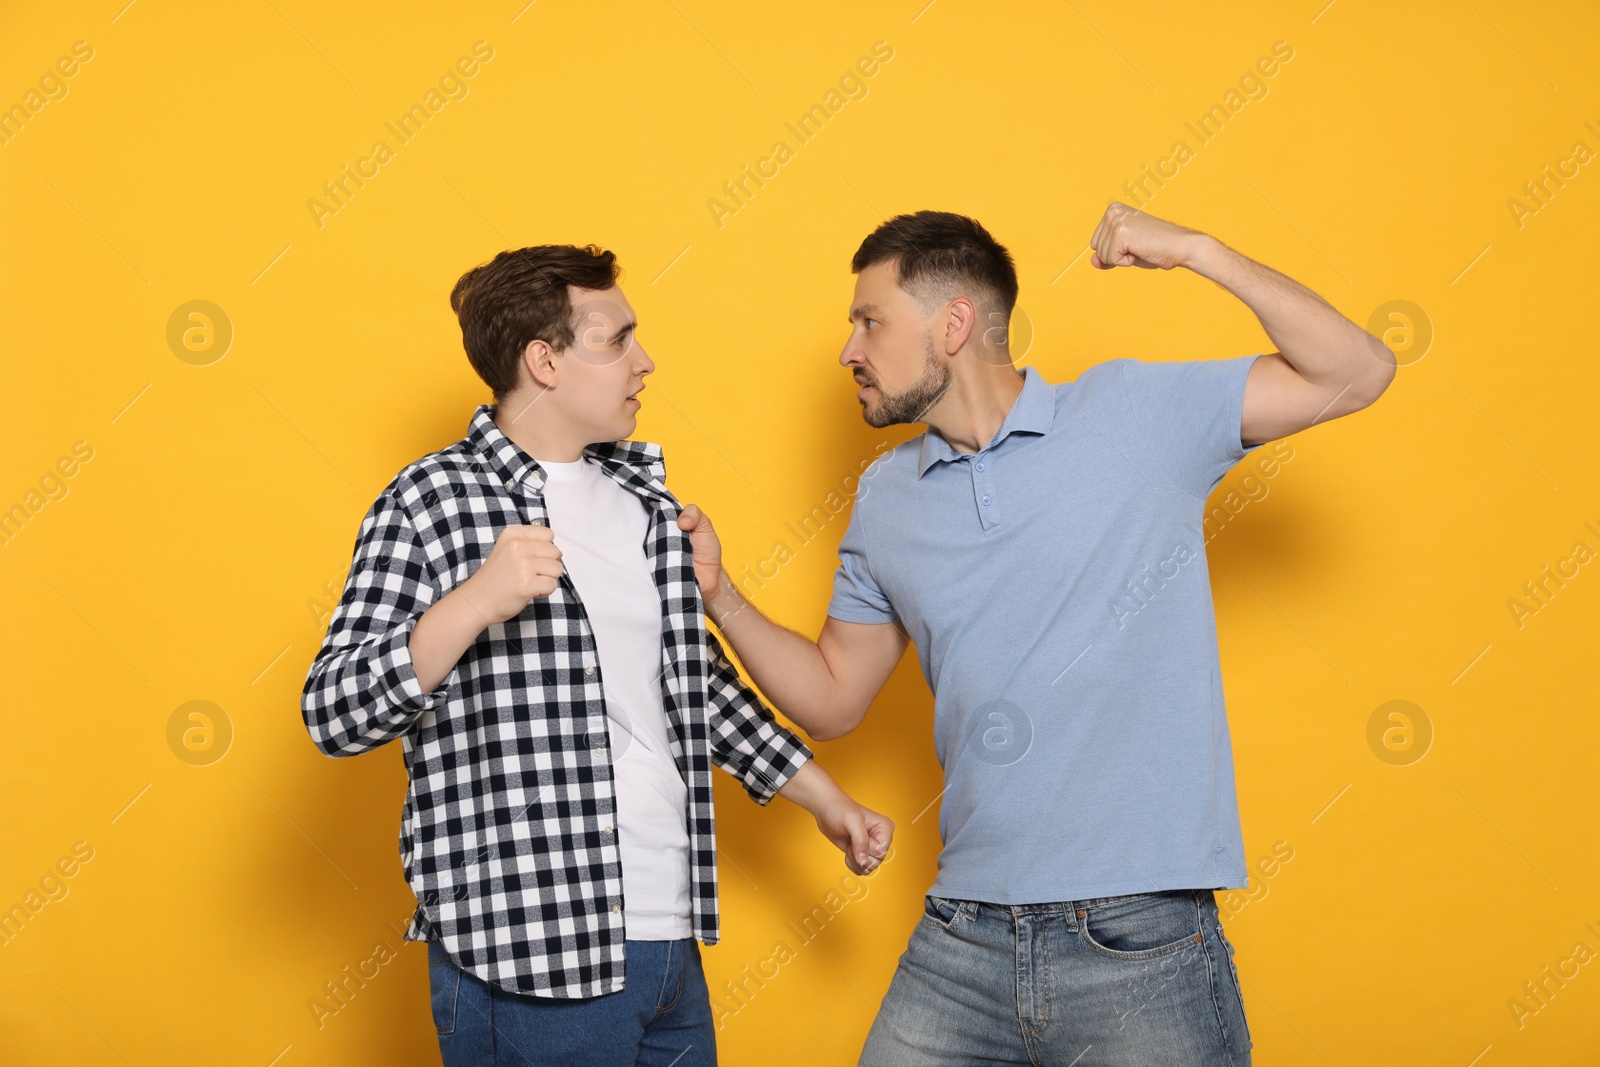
522,613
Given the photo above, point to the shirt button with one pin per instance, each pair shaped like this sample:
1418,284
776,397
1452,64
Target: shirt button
588,670
980,466
616,907
985,501
599,753
606,830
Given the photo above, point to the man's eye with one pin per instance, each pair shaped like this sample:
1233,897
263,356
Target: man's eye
870,323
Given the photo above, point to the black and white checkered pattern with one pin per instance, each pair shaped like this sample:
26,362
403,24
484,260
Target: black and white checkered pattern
508,831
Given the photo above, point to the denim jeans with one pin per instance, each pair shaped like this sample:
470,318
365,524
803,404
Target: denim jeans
1145,979
661,1016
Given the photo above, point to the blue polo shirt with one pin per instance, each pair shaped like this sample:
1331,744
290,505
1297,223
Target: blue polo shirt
1055,585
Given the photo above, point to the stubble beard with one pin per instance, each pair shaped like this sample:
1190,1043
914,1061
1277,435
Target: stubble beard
913,404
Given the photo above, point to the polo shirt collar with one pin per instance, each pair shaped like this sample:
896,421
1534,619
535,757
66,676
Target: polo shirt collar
1033,411
637,462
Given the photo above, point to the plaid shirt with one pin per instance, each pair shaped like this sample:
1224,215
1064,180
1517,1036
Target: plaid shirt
507,835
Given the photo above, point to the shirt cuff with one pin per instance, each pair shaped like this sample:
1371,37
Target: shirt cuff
778,763
399,688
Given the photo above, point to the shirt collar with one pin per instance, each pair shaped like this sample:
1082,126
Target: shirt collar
1034,411
636,462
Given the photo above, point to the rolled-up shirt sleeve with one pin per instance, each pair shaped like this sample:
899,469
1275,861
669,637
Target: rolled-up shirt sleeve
362,690
746,739
1190,413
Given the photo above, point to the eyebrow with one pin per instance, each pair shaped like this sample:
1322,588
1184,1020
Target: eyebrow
864,310
620,334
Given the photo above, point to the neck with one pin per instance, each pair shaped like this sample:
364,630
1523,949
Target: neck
980,396
539,430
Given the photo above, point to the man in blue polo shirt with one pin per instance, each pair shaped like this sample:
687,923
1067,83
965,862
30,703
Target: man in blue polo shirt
1042,545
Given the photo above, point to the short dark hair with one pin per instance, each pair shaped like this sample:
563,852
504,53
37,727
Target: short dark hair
940,253
521,296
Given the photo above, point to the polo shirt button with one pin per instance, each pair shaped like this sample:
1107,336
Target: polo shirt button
985,501
980,466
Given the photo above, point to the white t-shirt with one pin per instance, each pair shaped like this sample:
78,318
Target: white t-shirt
600,528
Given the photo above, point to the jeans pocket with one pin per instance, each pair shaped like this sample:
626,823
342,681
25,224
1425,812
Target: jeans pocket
940,911
444,983
1141,926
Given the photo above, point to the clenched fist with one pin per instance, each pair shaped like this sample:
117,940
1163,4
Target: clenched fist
1127,237
523,564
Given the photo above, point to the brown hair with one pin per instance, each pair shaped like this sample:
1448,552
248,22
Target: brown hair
521,296
939,254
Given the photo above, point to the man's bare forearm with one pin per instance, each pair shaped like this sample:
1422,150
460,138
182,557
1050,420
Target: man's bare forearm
788,667
442,636
812,788
1322,345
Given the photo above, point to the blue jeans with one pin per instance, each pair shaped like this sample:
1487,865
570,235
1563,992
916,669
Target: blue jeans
1145,979
661,1016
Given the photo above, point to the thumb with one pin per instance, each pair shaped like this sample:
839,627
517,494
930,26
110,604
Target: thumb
690,517
881,833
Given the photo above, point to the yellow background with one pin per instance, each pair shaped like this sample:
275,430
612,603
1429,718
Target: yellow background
187,558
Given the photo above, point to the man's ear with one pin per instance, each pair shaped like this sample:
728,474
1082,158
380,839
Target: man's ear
960,319
539,360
